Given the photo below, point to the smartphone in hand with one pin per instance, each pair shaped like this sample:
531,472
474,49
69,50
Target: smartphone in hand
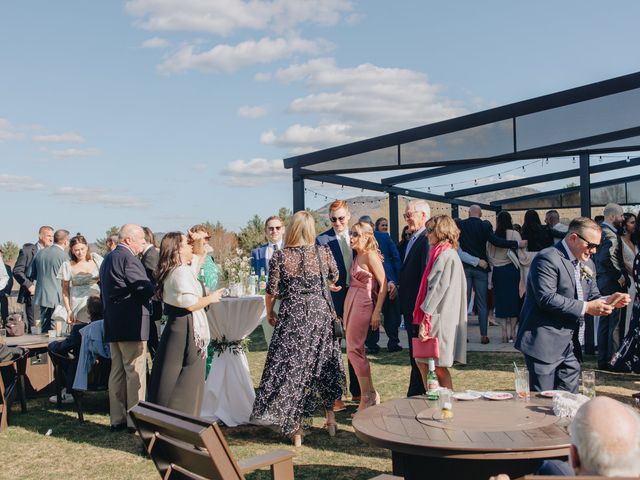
614,298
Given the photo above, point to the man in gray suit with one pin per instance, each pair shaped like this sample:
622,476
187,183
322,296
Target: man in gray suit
611,279
561,289
44,271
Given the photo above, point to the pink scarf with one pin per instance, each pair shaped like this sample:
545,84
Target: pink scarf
418,315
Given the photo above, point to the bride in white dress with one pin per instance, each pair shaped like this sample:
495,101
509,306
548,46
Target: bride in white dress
79,277
629,252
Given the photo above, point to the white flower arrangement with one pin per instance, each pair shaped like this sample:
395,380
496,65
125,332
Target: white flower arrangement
237,268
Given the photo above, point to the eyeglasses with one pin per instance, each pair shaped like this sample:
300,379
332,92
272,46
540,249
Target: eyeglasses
354,234
335,219
278,228
590,246
408,214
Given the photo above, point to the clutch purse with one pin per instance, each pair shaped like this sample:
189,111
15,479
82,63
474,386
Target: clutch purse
427,349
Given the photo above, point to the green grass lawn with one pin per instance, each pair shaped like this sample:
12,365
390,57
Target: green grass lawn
91,451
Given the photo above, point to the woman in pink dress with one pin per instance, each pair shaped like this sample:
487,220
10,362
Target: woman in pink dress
362,306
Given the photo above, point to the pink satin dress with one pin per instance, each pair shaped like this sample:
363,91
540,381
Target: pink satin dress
358,309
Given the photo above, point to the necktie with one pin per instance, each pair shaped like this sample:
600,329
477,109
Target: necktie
275,247
580,295
347,256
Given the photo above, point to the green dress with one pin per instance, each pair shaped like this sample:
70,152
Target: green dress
208,275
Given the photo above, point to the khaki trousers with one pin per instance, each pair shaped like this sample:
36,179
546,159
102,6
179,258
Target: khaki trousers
127,380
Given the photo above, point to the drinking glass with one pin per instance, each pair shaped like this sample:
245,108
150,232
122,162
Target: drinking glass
3,335
445,403
522,383
589,383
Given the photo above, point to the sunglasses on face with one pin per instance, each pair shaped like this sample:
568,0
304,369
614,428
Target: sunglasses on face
336,219
590,246
278,228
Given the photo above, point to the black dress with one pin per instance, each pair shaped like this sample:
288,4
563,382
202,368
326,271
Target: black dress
627,358
303,369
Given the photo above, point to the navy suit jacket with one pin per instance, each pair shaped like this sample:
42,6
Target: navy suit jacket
25,257
330,239
411,275
609,262
392,262
551,309
126,294
259,259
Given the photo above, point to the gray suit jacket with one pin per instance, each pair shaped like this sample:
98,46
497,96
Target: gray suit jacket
551,309
44,270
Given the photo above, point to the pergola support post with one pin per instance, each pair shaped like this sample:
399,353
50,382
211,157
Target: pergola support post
298,190
393,217
585,186
455,211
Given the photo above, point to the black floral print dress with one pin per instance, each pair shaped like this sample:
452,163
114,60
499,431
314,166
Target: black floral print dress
627,358
304,367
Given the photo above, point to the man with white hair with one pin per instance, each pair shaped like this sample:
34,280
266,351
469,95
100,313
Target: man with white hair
126,294
611,278
414,260
605,441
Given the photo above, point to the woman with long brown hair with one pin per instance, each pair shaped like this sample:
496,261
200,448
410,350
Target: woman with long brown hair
79,277
363,305
177,378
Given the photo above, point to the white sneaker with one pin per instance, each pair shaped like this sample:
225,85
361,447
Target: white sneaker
64,396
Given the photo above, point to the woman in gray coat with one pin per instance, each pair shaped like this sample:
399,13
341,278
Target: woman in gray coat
441,306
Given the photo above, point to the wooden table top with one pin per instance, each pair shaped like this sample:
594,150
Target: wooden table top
479,429
31,341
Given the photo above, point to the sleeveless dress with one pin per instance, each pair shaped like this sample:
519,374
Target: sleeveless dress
627,358
81,287
303,369
358,309
628,256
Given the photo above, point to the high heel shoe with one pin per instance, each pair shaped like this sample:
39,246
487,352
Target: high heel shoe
332,428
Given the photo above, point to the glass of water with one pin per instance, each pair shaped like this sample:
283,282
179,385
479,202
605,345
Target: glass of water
589,383
522,384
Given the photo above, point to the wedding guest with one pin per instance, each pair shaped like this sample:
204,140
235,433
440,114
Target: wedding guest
612,278
126,295
382,225
79,277
552,221
149,259
404,239
441,305
112,242
5,290
43,271
538,237
629,252
21,267
363,306
507,276
303,366
177,377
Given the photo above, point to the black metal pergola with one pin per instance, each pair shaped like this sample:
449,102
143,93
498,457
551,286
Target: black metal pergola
594,119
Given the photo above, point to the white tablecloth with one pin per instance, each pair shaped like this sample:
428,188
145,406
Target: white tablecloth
228,392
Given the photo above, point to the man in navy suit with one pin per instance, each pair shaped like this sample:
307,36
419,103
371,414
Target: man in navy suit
391,263
126,297
414,261
561,289
337,238
260,257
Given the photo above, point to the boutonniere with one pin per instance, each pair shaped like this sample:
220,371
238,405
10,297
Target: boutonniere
586,273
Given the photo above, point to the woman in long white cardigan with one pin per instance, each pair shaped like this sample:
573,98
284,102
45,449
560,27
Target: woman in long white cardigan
443,299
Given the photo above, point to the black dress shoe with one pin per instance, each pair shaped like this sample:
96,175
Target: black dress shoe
118,428
394,348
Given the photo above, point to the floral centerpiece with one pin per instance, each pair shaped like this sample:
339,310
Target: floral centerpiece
236,271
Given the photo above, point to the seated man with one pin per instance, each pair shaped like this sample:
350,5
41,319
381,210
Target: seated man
70,347
605,441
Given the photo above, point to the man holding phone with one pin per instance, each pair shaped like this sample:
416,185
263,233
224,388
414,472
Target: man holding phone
561,289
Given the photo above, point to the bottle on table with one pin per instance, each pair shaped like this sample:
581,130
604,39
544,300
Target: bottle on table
433,386
253,282
262,282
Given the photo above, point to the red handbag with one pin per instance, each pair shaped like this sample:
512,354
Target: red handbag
427,349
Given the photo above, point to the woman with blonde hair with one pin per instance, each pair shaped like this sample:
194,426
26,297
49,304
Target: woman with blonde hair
441,305
362,306
303,369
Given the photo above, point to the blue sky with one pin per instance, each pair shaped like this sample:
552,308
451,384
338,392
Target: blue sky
171,112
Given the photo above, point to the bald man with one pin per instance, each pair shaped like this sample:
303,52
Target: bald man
126,294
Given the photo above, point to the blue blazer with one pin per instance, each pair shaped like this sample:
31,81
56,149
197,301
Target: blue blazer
330,239
392,262
551,309
259,259
126,294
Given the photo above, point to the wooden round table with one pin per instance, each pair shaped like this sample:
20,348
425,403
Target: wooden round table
483,438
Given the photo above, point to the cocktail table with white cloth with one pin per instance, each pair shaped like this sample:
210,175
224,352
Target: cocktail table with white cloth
228,391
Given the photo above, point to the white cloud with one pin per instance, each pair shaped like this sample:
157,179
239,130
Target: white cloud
358,102
9,131
256,111
68,137
229,58
69,153
224,17
255,172
155,42
100,196
16,183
